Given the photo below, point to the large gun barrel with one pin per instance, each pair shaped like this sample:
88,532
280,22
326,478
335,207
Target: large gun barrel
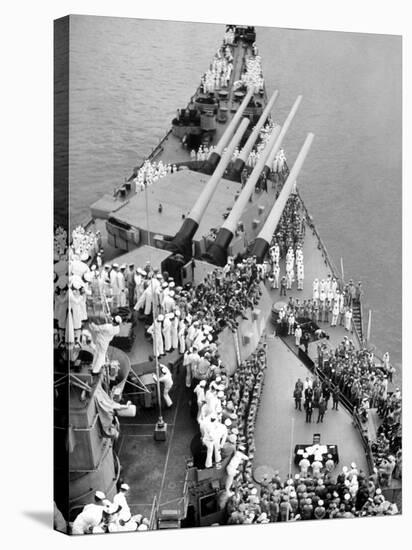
217,251
263,240
214,158
246,150
183,238
285,127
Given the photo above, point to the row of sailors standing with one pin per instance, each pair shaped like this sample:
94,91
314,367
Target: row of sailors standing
327,298
202,153
293,261
218,76
151,172
71,290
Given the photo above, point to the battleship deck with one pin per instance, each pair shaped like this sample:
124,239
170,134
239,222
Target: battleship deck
170,149
157,469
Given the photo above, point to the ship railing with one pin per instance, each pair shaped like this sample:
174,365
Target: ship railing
329,262
321,244
153,515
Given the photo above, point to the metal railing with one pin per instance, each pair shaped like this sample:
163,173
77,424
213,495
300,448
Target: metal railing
153,515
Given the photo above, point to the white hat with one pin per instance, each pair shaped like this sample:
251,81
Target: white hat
220,394
111,508
159,276
172,293
115,265
100,495
202,383
141,271
164,285
228,422
143,527
305,455
253,491
320,502
123,266
177,312
353,465
172,284
84,257
118,319
160,317
88,276
124,486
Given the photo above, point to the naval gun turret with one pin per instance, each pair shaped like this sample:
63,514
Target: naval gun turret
214,158
240,162
181,244
285,127
263,240
217,251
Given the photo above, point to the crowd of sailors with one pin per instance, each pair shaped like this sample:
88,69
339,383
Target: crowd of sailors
105,516
191,318
226,408
252,75
220,71
151,172
313,494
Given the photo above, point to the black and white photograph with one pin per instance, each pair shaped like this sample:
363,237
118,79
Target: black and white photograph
227,275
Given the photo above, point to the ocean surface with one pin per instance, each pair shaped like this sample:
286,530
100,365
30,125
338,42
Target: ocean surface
128,77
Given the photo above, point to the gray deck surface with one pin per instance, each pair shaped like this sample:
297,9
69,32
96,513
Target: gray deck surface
280,427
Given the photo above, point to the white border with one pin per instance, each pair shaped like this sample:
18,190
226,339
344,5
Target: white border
26,208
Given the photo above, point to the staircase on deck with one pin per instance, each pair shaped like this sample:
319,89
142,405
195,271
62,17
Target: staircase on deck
357,319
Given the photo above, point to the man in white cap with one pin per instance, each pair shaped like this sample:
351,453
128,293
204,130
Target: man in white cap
167,380
167,332
121,283
348,319
145,300
199,391
232,467
102,336
304,465
181,332
120,500
139,279
91,516
169,303
211,439
155,330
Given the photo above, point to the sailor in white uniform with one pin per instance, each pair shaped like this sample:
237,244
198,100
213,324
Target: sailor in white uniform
174,330
232,467
102,336
155,330
120,500
91,516
167,333
211,439
167,380
181,332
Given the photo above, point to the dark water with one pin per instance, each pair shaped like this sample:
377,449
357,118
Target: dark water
128,76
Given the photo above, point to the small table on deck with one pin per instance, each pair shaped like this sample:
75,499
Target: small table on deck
324,450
